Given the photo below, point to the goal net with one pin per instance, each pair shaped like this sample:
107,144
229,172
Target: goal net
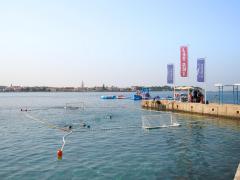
159,121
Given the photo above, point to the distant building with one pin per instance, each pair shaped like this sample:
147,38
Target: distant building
135,88
112,88
69,89
82,85
13,88
2,88
52,89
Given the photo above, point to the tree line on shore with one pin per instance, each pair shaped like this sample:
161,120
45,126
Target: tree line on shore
102,88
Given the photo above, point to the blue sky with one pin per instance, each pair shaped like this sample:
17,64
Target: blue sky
122,43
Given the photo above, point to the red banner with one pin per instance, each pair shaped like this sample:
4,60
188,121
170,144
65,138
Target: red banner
184,61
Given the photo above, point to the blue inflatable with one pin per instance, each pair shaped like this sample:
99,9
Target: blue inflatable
108,97
136,97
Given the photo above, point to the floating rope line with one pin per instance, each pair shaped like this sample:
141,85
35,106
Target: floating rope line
107,129
42,121
86,127
82,108
60,151
64,139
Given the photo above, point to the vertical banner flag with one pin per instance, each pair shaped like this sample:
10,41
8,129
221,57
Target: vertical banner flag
184,61
170,73
201,70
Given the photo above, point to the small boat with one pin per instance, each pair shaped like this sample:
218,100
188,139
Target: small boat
142,94
145,93
121,97
136,97
146,97
108,97
156,98
170,98
167,98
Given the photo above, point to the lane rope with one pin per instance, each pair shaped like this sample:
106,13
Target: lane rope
59,153
63,139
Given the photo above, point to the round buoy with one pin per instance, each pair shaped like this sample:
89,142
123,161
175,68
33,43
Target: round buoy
59,154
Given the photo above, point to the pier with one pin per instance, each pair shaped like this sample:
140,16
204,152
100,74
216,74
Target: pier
218,110
237,175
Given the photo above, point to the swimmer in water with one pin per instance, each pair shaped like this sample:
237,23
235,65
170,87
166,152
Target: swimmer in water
85,125
108,117
67,128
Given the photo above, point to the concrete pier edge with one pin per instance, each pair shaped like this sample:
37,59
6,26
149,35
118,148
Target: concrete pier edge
237,175
231,111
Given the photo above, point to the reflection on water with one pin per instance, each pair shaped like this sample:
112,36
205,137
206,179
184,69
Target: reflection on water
217,121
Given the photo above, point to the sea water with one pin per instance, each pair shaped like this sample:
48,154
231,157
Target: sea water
115,146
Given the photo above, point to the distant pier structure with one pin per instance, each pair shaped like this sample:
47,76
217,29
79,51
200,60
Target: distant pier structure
235,92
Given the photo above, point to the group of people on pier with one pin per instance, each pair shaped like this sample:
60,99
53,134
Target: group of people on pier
195,96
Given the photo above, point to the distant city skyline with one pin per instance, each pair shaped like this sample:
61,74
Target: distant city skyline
117,43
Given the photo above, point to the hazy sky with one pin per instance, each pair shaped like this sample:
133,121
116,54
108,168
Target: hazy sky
122,43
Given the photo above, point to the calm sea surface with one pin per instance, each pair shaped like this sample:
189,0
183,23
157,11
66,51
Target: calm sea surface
112,148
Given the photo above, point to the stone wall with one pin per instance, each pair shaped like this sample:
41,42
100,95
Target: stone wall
218,110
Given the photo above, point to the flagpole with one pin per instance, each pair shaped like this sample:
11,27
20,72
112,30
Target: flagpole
205,80
205,93
171,77
201,75
174,91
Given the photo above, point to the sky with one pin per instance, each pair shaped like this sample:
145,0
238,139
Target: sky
120,43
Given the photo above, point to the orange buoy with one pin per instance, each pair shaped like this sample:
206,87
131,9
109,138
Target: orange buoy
59,154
